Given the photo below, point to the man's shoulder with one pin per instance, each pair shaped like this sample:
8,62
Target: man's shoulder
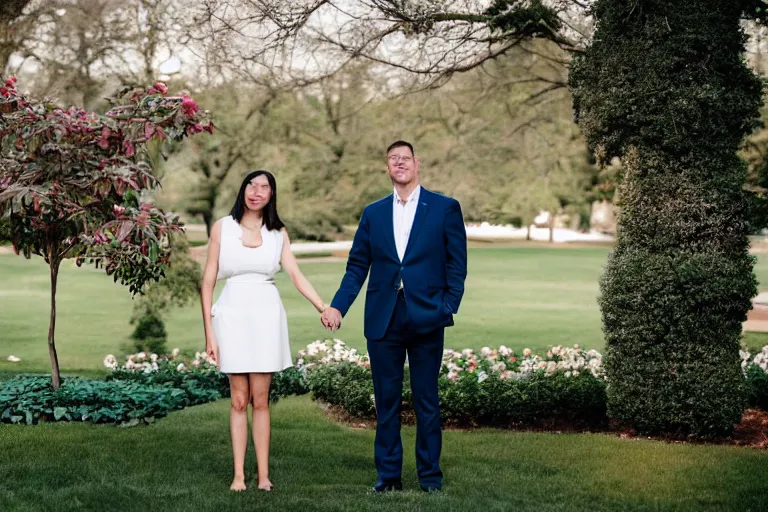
438,197
386,200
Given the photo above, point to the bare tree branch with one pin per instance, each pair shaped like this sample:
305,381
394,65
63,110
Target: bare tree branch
428,41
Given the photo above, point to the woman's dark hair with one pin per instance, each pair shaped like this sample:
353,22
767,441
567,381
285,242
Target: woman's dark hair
270,217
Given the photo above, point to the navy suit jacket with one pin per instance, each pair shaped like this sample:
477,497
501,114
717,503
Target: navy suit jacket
433,269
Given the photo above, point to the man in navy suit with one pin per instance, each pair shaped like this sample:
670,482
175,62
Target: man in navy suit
415,246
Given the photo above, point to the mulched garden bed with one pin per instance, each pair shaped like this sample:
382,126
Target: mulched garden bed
752,432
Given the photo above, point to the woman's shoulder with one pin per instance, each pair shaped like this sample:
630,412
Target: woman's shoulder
222,224
223,221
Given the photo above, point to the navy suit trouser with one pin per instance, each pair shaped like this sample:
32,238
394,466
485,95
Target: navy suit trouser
387,356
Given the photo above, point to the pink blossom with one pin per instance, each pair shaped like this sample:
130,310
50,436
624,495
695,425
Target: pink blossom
10,84
118,210
145,207
159,87
189,106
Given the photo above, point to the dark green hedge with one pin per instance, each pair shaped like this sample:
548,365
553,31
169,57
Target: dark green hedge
664,86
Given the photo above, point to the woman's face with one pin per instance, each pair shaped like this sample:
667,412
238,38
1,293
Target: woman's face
258,193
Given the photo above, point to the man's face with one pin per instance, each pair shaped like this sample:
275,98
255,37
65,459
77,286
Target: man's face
402,166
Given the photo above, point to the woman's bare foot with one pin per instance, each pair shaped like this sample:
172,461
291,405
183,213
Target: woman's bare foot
266,485
238,484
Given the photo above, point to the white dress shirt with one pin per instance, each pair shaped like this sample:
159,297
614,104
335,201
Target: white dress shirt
403,213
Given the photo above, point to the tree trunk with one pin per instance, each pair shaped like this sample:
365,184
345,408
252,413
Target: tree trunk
528,233
12,9
5,56
551,228
55,373
208,219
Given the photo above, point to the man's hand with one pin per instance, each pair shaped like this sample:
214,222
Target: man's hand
331,318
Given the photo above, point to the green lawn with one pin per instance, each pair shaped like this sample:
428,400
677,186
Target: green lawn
515,296
183,463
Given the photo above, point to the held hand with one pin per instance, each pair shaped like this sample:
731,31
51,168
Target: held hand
331,319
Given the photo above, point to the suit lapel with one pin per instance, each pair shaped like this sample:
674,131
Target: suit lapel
389,226
418,220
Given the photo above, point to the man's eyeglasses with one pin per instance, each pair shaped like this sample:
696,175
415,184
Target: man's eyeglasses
394,159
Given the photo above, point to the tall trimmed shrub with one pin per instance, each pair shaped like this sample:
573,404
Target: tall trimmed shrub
664,86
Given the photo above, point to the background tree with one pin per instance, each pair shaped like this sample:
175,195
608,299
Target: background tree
71,184
335,143
678,285
80,52
755,153
20,21
237,145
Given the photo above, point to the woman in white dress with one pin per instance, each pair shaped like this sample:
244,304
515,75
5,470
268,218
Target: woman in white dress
246,331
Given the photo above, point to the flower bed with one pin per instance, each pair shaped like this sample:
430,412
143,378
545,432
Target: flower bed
494,387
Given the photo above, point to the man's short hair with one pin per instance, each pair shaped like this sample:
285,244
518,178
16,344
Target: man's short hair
401,144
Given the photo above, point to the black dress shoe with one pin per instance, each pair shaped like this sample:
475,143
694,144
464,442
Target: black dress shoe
394,485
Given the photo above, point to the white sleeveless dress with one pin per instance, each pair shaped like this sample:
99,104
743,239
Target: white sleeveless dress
249,318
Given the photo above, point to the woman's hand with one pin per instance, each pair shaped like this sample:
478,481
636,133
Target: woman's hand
212,348
206,292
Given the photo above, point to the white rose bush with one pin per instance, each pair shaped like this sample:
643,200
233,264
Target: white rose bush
497,387
492,387
755,369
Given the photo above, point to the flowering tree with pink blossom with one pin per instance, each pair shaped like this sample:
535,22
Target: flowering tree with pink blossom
72,183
